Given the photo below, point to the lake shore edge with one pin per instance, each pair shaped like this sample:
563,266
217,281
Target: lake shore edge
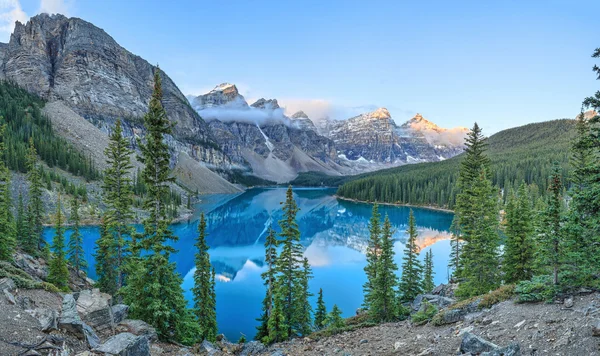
429,207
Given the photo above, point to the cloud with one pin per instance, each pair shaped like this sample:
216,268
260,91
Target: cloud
10,12
240,112
55,7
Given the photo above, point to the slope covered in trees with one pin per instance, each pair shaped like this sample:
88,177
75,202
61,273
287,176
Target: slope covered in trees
519,154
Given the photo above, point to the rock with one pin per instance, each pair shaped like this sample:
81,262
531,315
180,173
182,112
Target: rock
473,344
519,324
32,266
47,318
207,348
70,321
596,328
437,300
468,329
568,302
9,296
94,307
398,345
125,344
452,316
363,341
7,284
138,327
252,348
510,350
277,353
427,352
119,312
221,337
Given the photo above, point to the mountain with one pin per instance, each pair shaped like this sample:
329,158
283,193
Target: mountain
519,154
374,139
90,77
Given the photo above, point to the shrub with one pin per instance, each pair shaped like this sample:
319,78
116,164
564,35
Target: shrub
426,313
496,296
242,339
538,289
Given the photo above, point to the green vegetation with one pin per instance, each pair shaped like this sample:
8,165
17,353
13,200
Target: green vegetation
425,314
428,273
204,287
58,271
519,246
410,282
321,312
75,251
519,154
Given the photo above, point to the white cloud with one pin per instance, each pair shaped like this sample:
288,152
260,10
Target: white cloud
55,7
10,11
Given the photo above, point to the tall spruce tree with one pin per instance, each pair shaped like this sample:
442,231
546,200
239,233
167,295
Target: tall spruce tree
154,291
75,251
550,233
410,282
479,226
7,228
373,249
105,261
321,312
303,307
383,306
203,290
21,227
289,268
334,318
268,277
428,273
519,246
36,205
118,198
454,263
58,272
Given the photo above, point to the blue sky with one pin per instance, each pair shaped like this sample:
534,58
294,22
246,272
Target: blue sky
502,63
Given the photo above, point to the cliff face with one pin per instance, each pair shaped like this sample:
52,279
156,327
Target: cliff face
73,61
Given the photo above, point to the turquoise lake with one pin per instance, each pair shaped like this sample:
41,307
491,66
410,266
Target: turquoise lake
334,235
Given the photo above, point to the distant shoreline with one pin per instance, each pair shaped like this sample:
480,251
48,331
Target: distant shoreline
429,207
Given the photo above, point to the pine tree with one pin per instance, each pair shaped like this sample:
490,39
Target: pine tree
383,305
410,282
373,249
321,312
550,233
268,277
75,251
456,245
36,205
480,229
7,228
203,290
58,272
105,261
303,307
289,268
428,284
118,198
334,318
519,247
22,231
278,326
154,291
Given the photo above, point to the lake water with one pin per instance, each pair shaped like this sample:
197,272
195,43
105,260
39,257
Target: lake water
334,235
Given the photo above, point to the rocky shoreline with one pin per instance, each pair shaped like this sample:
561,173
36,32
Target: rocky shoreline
429,207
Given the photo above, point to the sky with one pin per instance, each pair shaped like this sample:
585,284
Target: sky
502,63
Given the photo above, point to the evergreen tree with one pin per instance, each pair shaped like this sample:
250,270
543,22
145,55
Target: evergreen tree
410,282
456,245
480,230
550,233
278,326
21,227
269,281
118,198
58,272
321,312
303,307
105,261
372,256
383,306
519,247
428,284
75,251
154,291
7,229
203,290
334,318
289,268
36,205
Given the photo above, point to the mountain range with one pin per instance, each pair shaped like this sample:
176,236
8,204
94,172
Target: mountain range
89,81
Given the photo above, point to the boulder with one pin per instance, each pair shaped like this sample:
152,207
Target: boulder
125,344
119,312
445,290
9,296
7,284
95,308
472,344
70,321
437,300
138,327
47,318
568,302
596,328
207,348
510,350
252,348
32,266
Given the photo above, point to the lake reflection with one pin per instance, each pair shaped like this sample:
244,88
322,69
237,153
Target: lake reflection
334,234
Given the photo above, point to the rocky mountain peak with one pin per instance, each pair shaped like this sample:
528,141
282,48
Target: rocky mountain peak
224,94
263,103
419,123
381,113
300,115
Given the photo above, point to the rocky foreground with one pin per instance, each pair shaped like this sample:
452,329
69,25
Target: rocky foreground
36,320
